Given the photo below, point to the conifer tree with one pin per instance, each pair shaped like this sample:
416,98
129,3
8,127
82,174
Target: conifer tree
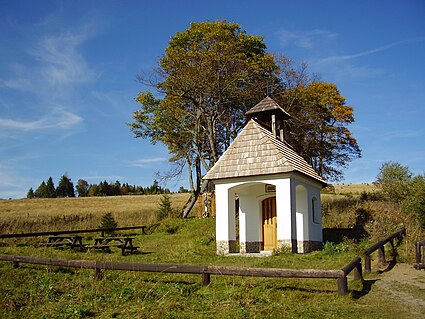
41,191
30,193
65,187
50,188
165,209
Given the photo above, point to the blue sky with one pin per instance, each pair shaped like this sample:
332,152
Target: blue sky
68,69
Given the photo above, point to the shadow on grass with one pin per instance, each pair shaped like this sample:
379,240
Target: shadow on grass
367,286
139,252
307,290
390,266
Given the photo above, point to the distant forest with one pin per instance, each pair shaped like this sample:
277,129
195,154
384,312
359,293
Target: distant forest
66,188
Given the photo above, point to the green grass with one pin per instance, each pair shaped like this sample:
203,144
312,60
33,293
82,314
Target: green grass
33,291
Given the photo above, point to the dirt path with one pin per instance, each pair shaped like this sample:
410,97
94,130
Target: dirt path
405,286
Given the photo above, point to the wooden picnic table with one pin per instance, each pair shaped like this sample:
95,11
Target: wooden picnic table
73,241
105,243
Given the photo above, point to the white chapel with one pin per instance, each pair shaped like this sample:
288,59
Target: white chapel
267,196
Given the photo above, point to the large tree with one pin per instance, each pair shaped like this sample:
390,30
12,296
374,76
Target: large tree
82,188
318,129
210,75
65,187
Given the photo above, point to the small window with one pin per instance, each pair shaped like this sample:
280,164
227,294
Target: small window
270,188
315,210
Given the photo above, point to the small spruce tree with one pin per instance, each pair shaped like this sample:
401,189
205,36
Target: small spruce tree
164,209
108,222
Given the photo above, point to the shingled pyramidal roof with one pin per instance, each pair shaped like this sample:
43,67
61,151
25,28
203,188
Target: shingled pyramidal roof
256,151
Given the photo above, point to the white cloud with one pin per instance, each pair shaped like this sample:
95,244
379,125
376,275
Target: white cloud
58,118
11,185
61,62
145,162
55,67
337,58
305,39
402,134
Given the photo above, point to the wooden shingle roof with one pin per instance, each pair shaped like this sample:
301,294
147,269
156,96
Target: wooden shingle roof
267,105
256,151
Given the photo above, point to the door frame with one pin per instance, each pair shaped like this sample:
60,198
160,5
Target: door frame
269,214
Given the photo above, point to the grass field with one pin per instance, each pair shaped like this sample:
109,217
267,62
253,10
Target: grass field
53,292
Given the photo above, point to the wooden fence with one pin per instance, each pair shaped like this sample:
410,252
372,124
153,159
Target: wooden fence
77,231
380,247
420,255
205,271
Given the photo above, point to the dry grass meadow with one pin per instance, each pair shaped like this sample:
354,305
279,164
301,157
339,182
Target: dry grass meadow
45,214
36,215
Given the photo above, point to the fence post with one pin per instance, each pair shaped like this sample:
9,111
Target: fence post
381,255
358,272
367,263
15,263
418,253
342,285
392,248
98,272
206,279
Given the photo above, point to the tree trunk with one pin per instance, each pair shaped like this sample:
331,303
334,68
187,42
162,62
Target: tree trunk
196,191
190,203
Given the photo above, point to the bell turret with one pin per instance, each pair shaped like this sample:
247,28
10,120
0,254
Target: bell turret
270,114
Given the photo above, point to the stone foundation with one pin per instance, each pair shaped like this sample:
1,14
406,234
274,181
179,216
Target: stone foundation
250,247
225,247
308,246
232,246
300,247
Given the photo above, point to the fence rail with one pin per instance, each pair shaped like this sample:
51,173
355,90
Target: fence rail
380,246
76,231
205,271
420,255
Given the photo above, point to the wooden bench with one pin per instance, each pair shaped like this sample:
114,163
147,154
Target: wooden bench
72,241
105,243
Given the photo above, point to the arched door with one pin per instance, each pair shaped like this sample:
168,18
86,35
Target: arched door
268,208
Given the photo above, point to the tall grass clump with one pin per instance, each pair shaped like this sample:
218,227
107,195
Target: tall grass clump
397,201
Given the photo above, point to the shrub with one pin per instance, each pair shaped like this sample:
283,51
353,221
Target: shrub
371,196
414,203
330,248
394,180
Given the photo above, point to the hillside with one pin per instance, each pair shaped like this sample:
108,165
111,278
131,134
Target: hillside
33,291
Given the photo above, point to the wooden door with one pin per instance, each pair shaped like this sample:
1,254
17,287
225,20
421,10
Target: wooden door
269,223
